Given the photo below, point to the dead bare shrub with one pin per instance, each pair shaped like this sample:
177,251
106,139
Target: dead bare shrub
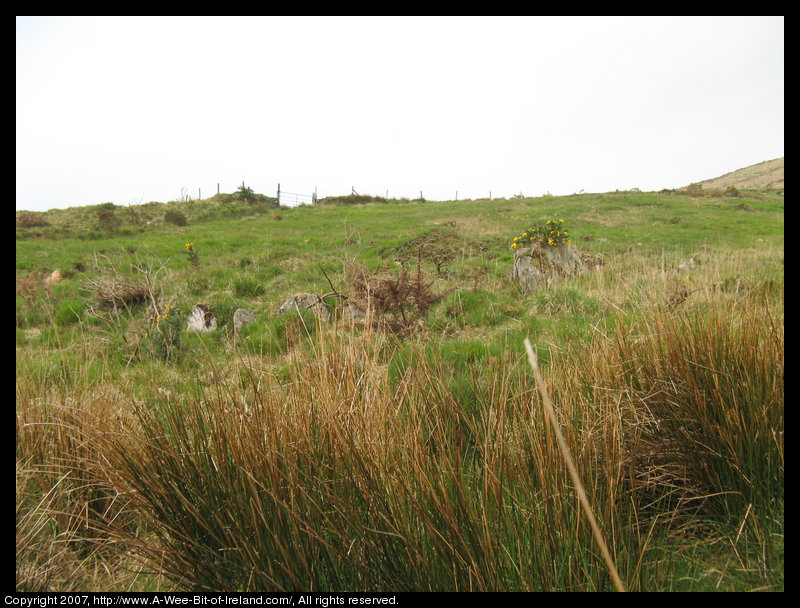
114,289
396,302
115,292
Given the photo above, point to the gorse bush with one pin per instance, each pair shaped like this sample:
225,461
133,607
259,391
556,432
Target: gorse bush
162,339
191,253
551,233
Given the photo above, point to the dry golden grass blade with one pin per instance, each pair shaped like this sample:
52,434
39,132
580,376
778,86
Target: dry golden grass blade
562,444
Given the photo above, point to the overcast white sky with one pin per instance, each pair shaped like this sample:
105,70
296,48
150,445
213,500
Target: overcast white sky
136,109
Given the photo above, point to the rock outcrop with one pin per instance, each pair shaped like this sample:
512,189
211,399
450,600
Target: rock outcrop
242,317
201,319
540,265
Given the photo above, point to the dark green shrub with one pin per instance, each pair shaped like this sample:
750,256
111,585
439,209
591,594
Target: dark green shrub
694,189
162,340
173,216
245,193
107,220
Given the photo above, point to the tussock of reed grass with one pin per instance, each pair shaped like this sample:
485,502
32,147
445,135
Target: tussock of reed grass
713,383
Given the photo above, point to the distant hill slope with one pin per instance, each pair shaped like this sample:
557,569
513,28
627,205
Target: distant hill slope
767,175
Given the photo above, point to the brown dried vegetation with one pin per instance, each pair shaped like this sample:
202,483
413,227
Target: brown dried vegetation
396,302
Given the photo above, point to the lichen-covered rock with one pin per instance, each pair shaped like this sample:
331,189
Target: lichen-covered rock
540,265
242,317
306,301
201,319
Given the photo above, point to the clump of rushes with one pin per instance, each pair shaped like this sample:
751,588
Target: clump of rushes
552,233
194,259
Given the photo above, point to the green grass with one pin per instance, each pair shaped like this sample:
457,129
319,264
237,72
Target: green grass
345,456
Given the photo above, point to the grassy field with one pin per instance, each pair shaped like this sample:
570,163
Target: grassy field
409,450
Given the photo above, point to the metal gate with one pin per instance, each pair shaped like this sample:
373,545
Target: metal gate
293,199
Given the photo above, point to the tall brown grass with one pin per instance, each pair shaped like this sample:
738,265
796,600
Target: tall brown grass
342,479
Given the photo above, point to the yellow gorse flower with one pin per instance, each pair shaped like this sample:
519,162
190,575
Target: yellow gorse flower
188,246
164,316
551,233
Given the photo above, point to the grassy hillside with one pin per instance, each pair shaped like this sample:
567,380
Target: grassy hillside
410,453
92,222
767,175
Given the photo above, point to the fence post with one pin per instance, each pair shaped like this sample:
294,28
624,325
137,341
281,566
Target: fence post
279,194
